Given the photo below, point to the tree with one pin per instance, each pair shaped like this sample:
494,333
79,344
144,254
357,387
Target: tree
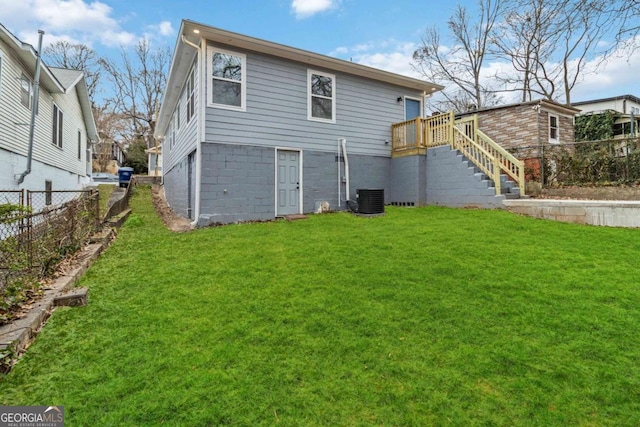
461,65
524,38
548,43
136,157
627,16
63,54
138,82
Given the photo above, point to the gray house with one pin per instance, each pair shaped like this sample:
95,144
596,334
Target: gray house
253,130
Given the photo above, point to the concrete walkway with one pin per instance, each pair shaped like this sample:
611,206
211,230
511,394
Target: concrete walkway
611,213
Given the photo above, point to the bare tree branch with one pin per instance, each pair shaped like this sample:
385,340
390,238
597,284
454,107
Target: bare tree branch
461,65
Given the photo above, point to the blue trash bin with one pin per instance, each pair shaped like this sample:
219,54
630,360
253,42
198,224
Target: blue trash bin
124,176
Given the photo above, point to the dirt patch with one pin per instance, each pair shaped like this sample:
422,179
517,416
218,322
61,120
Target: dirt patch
173,221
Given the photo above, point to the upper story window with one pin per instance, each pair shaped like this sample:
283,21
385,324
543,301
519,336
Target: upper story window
321,96
25,91
191,95
554,134
57,126
228,79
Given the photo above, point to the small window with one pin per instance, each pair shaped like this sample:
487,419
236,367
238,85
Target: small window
321,97
553,129
178,116
228,75
48,192
25,91
57,126
79,145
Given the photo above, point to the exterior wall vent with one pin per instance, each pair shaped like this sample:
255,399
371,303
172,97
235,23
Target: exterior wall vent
370,201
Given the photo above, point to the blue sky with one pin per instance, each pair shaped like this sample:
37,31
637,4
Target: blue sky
377,33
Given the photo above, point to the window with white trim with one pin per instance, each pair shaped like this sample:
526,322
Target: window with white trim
25,91
58,118
554,134
321,103
191,95
228,79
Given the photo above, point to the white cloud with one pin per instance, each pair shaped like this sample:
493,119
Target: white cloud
389,55
306,8
78,21
602,78
166,29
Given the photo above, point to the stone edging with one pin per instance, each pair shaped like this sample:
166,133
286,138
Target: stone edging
18,335
610,213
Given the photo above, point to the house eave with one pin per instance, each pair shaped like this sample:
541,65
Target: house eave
27,55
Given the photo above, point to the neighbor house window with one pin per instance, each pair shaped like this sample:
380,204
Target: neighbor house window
554,136
228,79
48,192
79,145
321,96
25,91
191,95
57,126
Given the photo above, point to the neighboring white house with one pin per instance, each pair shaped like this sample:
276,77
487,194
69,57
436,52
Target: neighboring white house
625,107
64,125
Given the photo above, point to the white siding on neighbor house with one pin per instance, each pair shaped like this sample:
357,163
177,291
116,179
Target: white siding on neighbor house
12,164
67,157
276,113
619,105
15,119
186,137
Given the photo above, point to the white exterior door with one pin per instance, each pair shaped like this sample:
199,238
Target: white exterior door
288,183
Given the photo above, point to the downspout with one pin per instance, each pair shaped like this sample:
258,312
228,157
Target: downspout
196,213
343,141
34,109
339,176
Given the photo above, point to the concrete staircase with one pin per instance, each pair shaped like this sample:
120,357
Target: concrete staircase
455,181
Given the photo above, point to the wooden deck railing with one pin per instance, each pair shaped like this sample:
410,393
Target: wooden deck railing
415,136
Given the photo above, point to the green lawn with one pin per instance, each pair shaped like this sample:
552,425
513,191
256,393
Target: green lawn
426,316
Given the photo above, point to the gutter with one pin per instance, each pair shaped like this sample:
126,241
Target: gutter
34,108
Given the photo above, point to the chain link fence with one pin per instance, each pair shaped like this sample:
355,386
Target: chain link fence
606,162
38,229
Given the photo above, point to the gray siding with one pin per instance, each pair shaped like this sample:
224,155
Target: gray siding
186,137
276,113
